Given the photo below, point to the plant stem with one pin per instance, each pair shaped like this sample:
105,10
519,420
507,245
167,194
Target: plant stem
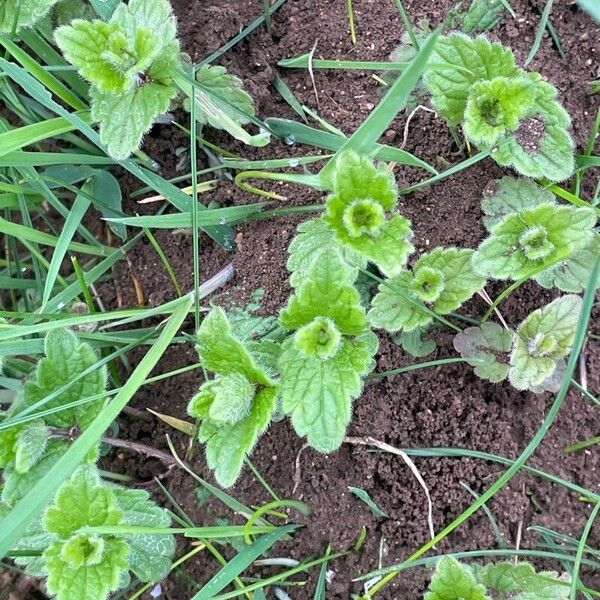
431,363
407,24
351,20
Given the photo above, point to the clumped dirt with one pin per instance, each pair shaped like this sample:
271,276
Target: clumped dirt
447,406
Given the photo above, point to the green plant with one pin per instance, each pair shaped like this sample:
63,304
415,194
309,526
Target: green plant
503,108
453,580
236,407
134,65
17,14
533,356
86,542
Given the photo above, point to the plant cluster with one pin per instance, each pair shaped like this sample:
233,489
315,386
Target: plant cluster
84,543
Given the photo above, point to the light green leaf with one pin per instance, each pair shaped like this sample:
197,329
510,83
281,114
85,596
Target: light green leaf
572,274
522,580
361,212
152,15
318,394
442,280
30,445
523,242
8,438
16,14
482,15
223,353
150,556
510,195
487,349
35,538
233,396
545,336
314,238
326,292
415,343
454,581
66,358
82,501
228,445
459,61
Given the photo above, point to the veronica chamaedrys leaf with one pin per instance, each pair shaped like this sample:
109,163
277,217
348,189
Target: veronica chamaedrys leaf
223,353
16,14
314,238
362,213
544,337
454,581
66,358
520,581
457,62
572,274
525,241
228,445
326,292
510,195
150,556
495,107
318,394
441,280
81,564
487,349
30,445
125,118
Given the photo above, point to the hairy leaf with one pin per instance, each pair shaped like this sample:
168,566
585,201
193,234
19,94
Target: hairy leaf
16,14
442,280
223,353
326,292
542,235
362,213
454,581
482,15
232,398
543,338
30,445
487,349
510,195
313,239
416,343
317,393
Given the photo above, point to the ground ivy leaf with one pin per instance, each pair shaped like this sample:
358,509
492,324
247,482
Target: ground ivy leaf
415,343
228,445
442,280
82,501
545,336
30,445
69,581
572,274
16,14
318,394
454,581
362,213
487,349
525,241
150,556
326,291
510,195
314,238
521,578
223,353
457,62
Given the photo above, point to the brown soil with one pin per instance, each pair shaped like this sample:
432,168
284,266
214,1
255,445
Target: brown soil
445,406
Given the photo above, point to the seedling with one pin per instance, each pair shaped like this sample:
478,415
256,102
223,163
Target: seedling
81,560
511,112
453,580
134,66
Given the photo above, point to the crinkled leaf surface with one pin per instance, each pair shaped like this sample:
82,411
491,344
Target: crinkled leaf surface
314,238
442,280
361,212
521,579
457,62
16,14
487,349
482,15
233,396
228,445
545,336
326,292
541,235
30,445
511,195
318,394
223,353
454,581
